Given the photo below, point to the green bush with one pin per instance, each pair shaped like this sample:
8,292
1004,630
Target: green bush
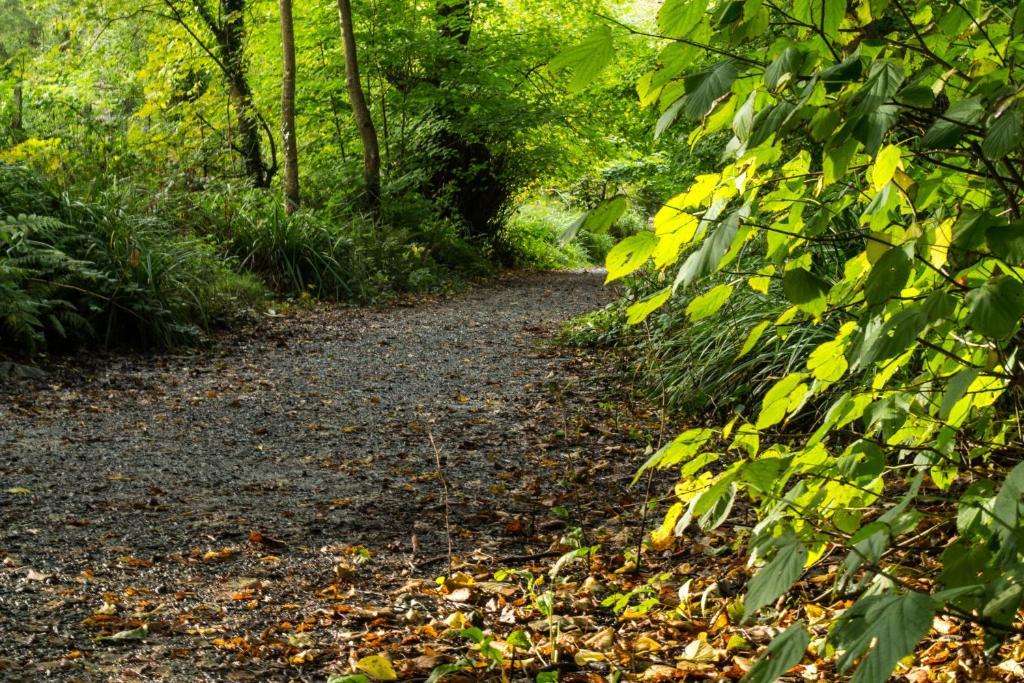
531,238
75,272
702,367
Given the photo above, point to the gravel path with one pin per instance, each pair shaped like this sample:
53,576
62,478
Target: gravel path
179,474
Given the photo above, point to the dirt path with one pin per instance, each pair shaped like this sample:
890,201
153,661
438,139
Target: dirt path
217,495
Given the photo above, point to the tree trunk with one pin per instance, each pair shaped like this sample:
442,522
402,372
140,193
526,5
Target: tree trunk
290,177
469,176
364,121
229,31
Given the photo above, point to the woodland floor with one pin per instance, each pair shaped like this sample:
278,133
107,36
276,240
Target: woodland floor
270,508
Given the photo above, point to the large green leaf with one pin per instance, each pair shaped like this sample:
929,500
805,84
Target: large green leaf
882,83
783,653
628,255
679,18
776,577
587,59
639,311
881,630
599,219
806,290
708,303
888,277
784,396
786,64
1004,135
706,260
705,87
1007,241
948,130
996,307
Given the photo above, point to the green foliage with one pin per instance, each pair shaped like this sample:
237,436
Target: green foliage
73,272
534,238
886,134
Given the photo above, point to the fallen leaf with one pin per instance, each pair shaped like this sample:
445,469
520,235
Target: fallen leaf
122,636
700,652
377,666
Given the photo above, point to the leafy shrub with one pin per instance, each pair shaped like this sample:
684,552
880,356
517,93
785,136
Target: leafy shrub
901,157
531,238
74,271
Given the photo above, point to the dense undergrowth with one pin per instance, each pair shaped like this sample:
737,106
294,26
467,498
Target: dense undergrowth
124,266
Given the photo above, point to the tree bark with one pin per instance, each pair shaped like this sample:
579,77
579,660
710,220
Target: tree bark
229,31
364,121
290,178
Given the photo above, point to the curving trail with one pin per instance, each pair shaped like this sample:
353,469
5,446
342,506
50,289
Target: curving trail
133,484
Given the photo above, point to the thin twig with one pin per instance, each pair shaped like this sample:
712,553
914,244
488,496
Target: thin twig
444,491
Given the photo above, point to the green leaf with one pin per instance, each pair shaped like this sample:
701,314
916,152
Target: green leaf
996,307
639,311
709,303
832,16
519,638
547,677
443,670
806,290
629,255
882,83
1006,507
599,220
1004,135
705,87
917,96
785,395
679,18
776,577
783,653
706,260
586,60
837,160
888,277
956,389
1017,23
881,630
786,64
1007,241
886,163
828,362
353,678
753,337
947,131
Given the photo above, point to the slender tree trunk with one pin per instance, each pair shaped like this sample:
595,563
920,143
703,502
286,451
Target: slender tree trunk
290,177
364,121
232,44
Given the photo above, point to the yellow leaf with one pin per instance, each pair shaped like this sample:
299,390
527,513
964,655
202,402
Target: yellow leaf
939,249
377,666
584,657
646,644
672,218
663,537
885,166
761,281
